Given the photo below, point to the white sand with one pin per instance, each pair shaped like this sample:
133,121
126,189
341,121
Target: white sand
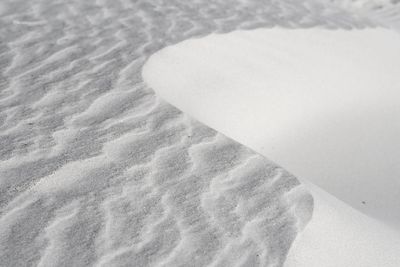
324,105
339,236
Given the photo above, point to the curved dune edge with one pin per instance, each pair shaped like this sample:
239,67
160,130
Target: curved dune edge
338,235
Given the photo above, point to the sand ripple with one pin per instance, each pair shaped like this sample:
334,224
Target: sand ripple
97,170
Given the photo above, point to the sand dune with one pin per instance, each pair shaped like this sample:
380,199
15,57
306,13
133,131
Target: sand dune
97,170
324,105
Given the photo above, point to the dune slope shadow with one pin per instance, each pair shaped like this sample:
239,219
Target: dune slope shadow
323,104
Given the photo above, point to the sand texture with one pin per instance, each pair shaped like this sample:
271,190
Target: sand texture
96,170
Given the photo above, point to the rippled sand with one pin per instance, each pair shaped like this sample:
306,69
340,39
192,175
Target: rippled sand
97,170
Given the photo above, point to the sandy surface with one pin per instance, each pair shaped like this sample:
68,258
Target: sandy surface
97,170
322,103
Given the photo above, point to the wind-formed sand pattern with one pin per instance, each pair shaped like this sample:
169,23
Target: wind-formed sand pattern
97,170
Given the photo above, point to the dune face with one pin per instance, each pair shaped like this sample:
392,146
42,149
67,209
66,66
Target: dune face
323,104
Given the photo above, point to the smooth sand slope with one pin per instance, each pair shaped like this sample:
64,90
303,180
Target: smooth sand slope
323,104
